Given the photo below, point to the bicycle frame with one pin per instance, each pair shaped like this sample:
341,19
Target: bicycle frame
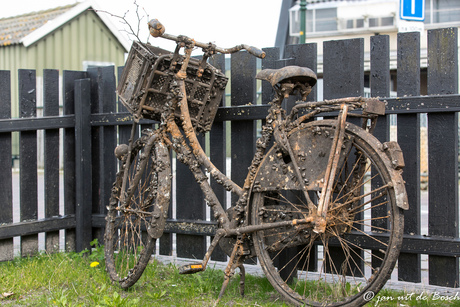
308,188
193,155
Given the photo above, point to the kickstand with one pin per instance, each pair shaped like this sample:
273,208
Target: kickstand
236,261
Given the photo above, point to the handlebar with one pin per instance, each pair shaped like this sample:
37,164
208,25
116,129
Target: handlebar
157,29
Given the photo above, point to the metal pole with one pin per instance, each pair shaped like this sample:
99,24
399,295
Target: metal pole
303,22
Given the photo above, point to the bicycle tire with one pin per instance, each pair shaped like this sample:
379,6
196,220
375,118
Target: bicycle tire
365,207
128,246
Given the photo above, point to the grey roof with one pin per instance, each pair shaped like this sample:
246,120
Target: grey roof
13,29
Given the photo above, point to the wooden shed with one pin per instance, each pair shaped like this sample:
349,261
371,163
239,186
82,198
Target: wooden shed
72,37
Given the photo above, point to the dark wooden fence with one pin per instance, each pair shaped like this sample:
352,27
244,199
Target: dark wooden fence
91,128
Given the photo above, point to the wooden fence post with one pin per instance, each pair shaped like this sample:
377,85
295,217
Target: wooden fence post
69,78
243,71
83,167
304,55
189,205
271,56
408,84
218,155
28,159
103,141
343,75
243,132
443,153
51,154
6,190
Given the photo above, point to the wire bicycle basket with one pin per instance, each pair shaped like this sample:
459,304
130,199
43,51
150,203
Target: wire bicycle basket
148,74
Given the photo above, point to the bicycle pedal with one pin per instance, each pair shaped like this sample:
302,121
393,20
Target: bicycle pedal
191,268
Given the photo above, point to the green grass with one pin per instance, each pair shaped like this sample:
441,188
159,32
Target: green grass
68,279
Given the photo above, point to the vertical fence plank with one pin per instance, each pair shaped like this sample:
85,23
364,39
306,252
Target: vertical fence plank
304,55
343,75
69,78
443,61
284,259
124,131
83,168
218,139
380,86
189,205
218,155
97,143
269,62
408,83
104,165
51,154
243,70
109,169
6,191
243,132
380,66
443,153
28,159
343,68
380,79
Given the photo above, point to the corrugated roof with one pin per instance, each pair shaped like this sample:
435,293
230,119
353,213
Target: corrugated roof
13,29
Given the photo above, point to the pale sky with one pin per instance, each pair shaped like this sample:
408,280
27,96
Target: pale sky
225,23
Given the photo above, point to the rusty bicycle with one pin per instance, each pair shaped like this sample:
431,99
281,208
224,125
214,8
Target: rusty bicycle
324,191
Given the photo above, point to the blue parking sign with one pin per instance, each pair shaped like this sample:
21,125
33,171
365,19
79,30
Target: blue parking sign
412,10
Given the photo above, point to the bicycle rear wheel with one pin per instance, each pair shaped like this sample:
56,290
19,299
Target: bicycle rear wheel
331,268
128,245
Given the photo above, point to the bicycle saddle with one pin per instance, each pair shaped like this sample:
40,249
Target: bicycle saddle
288,74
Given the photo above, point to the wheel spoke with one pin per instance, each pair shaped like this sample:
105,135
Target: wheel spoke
371,207
373,238
332,267
128,245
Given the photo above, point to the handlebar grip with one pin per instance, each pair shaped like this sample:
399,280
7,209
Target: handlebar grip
156,28
255,51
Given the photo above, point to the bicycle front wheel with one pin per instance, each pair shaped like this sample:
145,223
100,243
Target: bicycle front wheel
128,245
352,259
